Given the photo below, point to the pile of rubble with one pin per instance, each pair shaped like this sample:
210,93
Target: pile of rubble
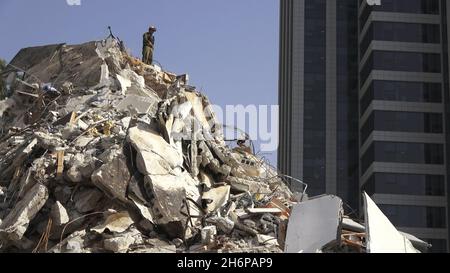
102,153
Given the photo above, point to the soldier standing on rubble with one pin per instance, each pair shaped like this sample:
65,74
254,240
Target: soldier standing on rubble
148,45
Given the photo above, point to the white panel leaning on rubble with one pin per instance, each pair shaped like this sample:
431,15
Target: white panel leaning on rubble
382,236
314,224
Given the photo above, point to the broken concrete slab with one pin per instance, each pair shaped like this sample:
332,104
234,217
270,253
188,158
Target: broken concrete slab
119,244
87,200
142,105
225,225
74,243
20,156
314,224
81,167
48,141
113,176
155,155
215,198
145,211
169,201
245,185
267,240
16,223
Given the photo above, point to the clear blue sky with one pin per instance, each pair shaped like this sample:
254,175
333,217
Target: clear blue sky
228,47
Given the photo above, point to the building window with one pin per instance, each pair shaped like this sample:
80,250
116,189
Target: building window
415,153
411,122
400,152
402,61
404,6
401,91
315,96
415,216
408,122
368,158
406,184
409,6
400,32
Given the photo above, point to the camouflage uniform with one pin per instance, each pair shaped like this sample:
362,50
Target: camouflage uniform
147,50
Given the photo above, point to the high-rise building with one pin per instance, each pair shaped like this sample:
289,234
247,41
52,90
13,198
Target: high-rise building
319,96
403,98
364,106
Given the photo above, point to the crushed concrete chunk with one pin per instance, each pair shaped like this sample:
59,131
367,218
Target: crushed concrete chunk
122,242
224,224
143,105
59,214
16,223
155,155
81,168
119,244
48,141
118,222
87,200
113,177
216,198
208,234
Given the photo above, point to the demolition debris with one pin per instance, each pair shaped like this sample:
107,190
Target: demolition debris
100,152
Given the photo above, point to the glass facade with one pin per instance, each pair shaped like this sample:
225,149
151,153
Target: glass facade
401,91
402,122
446,86
314,96
415,216
401,61
402,6
347,102
402,152
416,122
406,184
401,32
341,106
439,245
322,142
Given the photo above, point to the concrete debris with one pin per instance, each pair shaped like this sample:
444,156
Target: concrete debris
59,214
113,176
119,243
118,222
208,235
225,225
267,240
86,200
216,198
16,223
121,156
